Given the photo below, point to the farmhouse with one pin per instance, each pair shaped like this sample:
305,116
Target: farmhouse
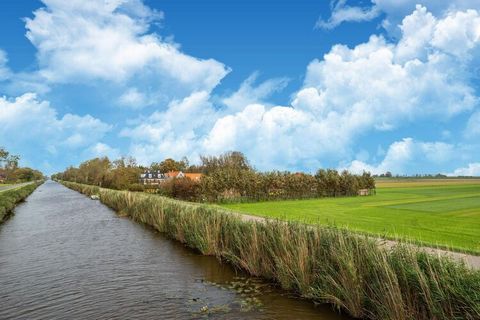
152,177
364,192
174,174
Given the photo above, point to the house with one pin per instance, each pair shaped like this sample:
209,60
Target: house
3,177
364,192
152,177
174,174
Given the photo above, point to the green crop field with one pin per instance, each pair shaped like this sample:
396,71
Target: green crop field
435,212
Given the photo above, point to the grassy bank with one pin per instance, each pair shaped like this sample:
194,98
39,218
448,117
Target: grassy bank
323,264
10,198
442,213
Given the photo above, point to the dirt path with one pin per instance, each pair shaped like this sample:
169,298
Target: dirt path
471,260
13,186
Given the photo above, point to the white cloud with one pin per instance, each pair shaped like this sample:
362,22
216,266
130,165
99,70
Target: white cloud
249,93
89,40
472,170
103,150
473,126
278,137
174,132
410,157
37,126
341,12
135,99
4,71
380,85
394,11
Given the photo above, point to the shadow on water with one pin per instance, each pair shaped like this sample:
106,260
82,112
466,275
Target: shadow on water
65,256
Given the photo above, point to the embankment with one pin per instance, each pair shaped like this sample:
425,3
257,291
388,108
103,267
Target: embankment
325,265
10,198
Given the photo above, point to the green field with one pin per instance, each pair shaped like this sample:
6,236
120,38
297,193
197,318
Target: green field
436,212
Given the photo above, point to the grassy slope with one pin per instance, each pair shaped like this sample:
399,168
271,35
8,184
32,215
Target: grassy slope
440,213
9,198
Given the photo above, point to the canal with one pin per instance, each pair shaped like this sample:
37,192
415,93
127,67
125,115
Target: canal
65,256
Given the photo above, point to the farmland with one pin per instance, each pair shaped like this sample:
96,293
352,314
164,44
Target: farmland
439,212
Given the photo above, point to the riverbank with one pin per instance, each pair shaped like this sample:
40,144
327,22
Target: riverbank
326,265
11,197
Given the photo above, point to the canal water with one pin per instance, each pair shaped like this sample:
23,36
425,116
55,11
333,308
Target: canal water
65,256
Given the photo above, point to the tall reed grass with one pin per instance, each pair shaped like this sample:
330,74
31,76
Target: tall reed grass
326,265
10,198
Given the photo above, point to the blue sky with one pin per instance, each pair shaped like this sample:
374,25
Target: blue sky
296,85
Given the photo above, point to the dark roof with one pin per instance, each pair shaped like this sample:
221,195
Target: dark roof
151,174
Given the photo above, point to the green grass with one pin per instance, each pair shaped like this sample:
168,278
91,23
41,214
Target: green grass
444,213
10,198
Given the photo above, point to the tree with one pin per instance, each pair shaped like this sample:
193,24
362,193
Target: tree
8,162
231,161
95,171
170,165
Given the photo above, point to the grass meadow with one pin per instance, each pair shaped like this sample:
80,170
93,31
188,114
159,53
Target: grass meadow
439,212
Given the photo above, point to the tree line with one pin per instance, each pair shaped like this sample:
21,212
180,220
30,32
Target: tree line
11,172
225,178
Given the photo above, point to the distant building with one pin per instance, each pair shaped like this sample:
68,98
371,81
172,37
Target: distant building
364,192
3,177
151,177
174,174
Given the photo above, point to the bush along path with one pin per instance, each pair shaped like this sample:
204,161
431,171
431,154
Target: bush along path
326,265
11,197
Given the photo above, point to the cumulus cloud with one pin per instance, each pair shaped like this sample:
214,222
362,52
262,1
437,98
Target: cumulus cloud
103,150
278,137
249,92
87,40
472,170
174,132
342,12
4,71
393,11
36,124
409,156
473,126
135,99
374,86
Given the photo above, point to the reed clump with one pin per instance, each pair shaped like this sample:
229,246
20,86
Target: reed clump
10,198
327,265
